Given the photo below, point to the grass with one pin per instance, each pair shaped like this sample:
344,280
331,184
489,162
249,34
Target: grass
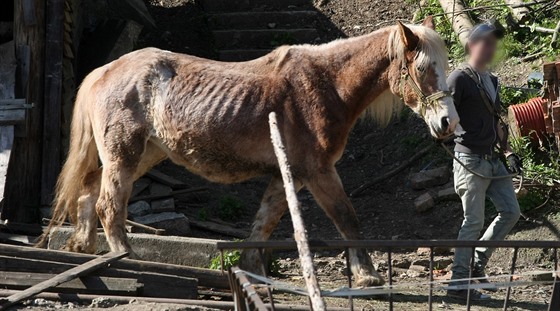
230,208
231,258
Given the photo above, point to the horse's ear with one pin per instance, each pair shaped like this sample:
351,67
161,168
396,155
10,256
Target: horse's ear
429,22
410,40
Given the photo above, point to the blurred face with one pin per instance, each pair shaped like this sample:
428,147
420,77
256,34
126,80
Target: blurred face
483,50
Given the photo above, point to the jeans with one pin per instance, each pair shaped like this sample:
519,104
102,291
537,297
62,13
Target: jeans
473,191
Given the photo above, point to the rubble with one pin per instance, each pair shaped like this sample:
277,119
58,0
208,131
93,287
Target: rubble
424,202
448,194
140,208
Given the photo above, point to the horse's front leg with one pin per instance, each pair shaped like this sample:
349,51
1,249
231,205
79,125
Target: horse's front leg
273,206
326,188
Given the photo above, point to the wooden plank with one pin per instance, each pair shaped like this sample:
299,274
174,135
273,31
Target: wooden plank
150,197
66,276
29,12
87,284
219,228
17,239
6,142
23,182
54,46
12,117
165,179
206,277
154,284
28,229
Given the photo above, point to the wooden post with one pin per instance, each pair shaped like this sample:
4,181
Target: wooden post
300,235
23,180
54,46
459,19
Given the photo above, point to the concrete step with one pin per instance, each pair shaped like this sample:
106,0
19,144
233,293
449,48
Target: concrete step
254,5
262,38
263,20
241,55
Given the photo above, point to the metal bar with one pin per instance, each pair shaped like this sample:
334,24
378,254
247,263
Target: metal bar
349,276
252,298
555,297
341,244
265,273
390,277
431,294
513,261
470,280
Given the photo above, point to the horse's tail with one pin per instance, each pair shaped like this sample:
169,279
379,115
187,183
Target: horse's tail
82,159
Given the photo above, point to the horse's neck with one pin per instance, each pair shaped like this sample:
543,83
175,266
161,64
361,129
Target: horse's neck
361,70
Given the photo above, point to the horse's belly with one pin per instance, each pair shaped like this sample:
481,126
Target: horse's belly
220,167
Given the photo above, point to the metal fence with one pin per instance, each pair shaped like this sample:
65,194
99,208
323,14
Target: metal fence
248,299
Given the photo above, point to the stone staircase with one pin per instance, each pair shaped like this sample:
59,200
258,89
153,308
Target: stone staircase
247,29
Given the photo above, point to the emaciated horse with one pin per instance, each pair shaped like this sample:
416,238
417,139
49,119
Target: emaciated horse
211,117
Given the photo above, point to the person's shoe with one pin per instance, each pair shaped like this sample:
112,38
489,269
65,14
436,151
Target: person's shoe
482,278
463,294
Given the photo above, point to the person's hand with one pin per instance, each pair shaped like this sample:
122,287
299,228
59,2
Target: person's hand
514,163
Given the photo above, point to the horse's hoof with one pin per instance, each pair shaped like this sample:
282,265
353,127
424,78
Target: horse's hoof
373,279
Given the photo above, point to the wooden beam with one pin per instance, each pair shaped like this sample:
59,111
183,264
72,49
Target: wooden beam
165,179
54,46
99,285
206,277
66,276
154,284
150,197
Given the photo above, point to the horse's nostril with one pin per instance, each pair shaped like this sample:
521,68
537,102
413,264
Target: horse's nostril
444,123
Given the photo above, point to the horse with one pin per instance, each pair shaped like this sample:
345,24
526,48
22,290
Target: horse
212,118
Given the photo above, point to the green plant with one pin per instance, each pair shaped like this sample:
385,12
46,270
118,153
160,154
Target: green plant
230,208
203,214
540,166
512,96
231,258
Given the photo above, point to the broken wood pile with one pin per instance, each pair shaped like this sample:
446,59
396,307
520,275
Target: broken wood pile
29,271
152,209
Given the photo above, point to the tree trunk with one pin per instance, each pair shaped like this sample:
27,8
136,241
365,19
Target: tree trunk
460,21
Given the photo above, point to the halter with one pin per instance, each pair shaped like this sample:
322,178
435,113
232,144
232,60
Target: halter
430,101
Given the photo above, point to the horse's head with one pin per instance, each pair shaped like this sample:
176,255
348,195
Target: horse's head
417,74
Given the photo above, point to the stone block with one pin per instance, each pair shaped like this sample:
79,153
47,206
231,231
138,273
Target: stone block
166,249
163,205
172,223
430,178
139,208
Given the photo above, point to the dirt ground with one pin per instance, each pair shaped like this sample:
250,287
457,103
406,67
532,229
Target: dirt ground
386,211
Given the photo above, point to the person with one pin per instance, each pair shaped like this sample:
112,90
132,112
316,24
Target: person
478,149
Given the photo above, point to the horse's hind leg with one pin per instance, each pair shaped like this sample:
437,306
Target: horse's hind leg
327,190
273,206
84,239
116,186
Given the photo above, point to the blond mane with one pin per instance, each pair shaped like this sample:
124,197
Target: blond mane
431,51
